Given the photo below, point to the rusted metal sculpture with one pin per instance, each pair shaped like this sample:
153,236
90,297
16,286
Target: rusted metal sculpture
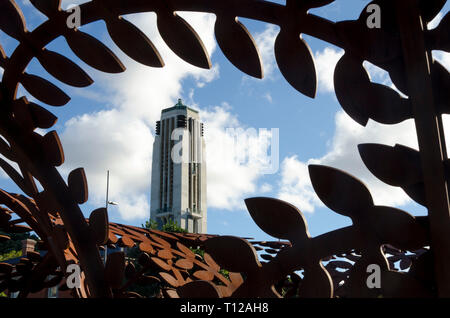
402,46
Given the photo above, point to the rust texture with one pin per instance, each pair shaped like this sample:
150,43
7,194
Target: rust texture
413,253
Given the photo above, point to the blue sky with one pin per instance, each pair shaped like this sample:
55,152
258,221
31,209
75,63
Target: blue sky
110,125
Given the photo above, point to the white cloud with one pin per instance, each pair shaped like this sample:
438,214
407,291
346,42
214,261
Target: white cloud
265,42
233,165
326,61
295,185
443,58
268,97
435,22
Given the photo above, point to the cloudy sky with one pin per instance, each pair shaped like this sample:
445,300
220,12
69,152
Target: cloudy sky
110,125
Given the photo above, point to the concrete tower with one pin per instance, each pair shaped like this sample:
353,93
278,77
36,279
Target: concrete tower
178,189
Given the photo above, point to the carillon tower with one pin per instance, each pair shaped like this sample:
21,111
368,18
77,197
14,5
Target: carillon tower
178,184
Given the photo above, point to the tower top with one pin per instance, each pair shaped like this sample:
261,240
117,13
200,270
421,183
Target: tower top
178,105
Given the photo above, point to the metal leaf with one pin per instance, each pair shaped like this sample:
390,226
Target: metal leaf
204,275
278,218
385,105
198,289
402,285
238,45
94,52
63,69
350,82
430,8
12,21
115,269
391,224
22,114
233,253
133,42
170,279
78,187
296,62
42,117
184,264
53,149
15,176
317,283
182,39
396,166
47,7
43,90
340,191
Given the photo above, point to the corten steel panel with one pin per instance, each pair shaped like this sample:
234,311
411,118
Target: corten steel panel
333,264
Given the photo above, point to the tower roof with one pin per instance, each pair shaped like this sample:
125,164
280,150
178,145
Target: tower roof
178,105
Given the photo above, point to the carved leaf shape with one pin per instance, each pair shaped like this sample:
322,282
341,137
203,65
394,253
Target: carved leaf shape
391,224
350,82
188,253
209,260
133,42
165,254
12,21
15,176
63,69
385,105
115,269
130,270
98,223
53,149
93,52
60,236
43,90
340,191
198,289
145,247
233,253
184,264
42,117
22,114
296,62
317,283
417,193
430,8
126,241
144,260
161,263
204,275
78,188
170,279
278,218
396,166
238,45
395,284
182,39
47,7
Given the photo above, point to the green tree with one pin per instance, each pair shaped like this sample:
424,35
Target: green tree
10,254
169,226
15,241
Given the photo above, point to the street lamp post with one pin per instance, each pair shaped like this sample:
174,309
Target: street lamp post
106,206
